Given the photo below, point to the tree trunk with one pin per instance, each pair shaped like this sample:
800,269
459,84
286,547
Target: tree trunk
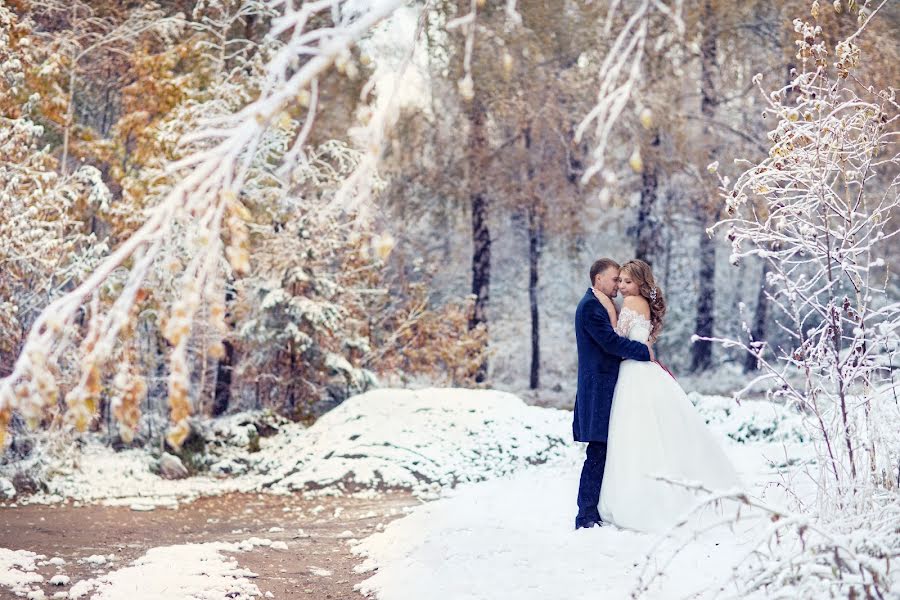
535,233
647,235
535,210
222,394
225,366
481,235
481,270
701,351
758,331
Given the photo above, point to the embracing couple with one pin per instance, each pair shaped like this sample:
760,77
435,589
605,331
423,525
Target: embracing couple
642,431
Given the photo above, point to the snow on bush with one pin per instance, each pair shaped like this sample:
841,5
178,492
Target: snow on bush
820,211
424,440
420,440
750,421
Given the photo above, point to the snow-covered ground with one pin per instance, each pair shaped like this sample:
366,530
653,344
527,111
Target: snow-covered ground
503,476
513,537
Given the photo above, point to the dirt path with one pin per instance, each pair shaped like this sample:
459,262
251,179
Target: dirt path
76,533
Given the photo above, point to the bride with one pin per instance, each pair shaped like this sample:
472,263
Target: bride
654,430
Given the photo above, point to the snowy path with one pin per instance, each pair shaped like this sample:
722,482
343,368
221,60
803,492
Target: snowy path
198,550
513,538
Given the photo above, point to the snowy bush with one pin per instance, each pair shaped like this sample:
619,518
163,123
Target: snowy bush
751,421
819,210
423,440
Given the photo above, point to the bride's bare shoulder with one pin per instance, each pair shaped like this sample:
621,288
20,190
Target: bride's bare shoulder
638,304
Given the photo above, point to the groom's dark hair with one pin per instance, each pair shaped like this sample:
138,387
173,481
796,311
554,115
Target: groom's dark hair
601,265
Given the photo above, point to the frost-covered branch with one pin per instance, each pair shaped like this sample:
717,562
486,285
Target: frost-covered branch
793,553
621,73
819,211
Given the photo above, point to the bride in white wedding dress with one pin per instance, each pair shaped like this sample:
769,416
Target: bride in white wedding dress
654,430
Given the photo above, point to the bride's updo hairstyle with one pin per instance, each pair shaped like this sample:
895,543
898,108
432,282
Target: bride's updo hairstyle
641,273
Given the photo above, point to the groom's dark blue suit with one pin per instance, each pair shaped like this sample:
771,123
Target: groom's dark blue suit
600,350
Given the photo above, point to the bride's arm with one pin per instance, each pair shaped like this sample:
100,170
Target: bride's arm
608,305
599,328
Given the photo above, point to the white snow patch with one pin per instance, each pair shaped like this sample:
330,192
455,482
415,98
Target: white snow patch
7,489
17,570
253,542
190,571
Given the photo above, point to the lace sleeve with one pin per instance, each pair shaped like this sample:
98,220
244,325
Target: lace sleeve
626,320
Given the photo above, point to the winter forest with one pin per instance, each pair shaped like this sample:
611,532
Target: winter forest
288,293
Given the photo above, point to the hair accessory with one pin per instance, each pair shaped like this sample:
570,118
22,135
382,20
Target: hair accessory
653,294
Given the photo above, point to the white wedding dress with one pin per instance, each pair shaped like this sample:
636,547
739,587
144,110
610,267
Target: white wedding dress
654,431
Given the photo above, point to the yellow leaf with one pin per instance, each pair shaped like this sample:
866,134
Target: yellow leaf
636,162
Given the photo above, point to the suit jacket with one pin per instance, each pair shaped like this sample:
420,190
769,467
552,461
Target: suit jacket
600,351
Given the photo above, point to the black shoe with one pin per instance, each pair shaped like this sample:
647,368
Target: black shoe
588,525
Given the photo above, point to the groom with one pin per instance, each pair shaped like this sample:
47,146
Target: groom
600,350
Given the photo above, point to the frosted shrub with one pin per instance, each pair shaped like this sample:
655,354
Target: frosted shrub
818,209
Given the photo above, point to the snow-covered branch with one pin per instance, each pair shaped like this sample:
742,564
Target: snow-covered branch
621,74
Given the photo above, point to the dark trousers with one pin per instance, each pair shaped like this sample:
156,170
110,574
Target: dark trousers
591,480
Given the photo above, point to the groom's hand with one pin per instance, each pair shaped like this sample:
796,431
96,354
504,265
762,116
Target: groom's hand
652,356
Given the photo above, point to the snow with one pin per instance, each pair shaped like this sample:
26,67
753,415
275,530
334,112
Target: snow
190,571
423,440
750,420
133,485
513,537
7,489
503,477
17,570
251,543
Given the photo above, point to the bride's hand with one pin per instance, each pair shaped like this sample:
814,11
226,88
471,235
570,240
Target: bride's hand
604,299
608,305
